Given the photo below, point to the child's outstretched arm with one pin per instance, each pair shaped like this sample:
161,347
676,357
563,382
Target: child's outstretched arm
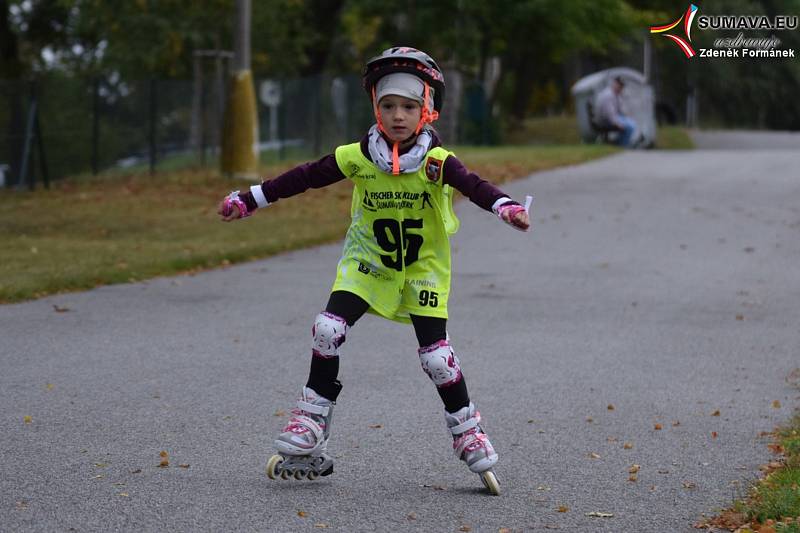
313,175
485,195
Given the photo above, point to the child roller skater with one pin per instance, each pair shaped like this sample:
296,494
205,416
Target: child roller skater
396,256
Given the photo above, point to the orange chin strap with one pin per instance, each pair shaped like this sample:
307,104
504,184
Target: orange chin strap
427,117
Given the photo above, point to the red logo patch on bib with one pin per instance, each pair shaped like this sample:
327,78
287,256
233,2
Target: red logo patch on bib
433,167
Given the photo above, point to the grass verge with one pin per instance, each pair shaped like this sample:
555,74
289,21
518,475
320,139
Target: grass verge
773,504
86,232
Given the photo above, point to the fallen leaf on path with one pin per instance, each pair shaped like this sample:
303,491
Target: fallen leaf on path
137,471
543,487
658,427
321,525
49,386
593,455
27,419
600,514
302,514
715,413
634,468
280,413
713,434
58,309
185,465
562,509
164,460
375,426
465,528
610,407
633,478
676,423
411,516
627,446
435,487
124,494
739,317
689,485
776,404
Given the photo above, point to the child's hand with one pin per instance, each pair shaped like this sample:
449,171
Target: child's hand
515,216
232,207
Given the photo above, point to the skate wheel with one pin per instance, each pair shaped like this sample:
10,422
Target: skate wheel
312,476
491,483
299,475
285,474
273,466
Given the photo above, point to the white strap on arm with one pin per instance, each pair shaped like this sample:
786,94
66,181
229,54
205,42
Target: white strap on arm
499,202
258,195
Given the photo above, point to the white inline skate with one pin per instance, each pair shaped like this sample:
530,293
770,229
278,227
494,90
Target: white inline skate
302,443
472,446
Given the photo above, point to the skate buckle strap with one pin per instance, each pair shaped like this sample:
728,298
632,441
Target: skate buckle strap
466,425
313,409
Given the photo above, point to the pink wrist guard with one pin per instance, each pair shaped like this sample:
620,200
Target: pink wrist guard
506,213
231,200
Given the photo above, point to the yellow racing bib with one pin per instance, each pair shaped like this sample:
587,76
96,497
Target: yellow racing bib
397,250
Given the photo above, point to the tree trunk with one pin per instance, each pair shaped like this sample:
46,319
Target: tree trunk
11,72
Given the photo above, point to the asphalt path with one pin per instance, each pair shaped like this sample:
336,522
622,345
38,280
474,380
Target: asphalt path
657,290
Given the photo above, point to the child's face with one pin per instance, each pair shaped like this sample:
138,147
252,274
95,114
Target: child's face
400,116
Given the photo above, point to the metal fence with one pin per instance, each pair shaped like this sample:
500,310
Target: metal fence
91,126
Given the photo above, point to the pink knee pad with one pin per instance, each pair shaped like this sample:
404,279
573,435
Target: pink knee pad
329,333
440,363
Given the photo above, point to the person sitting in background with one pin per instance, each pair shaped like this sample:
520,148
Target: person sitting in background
610,115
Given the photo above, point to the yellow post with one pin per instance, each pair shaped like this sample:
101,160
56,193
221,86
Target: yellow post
240,131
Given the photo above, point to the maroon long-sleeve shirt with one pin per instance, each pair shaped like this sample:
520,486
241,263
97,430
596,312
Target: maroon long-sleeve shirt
325,171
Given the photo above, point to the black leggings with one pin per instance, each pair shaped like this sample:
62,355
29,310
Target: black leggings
352,307
349,306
